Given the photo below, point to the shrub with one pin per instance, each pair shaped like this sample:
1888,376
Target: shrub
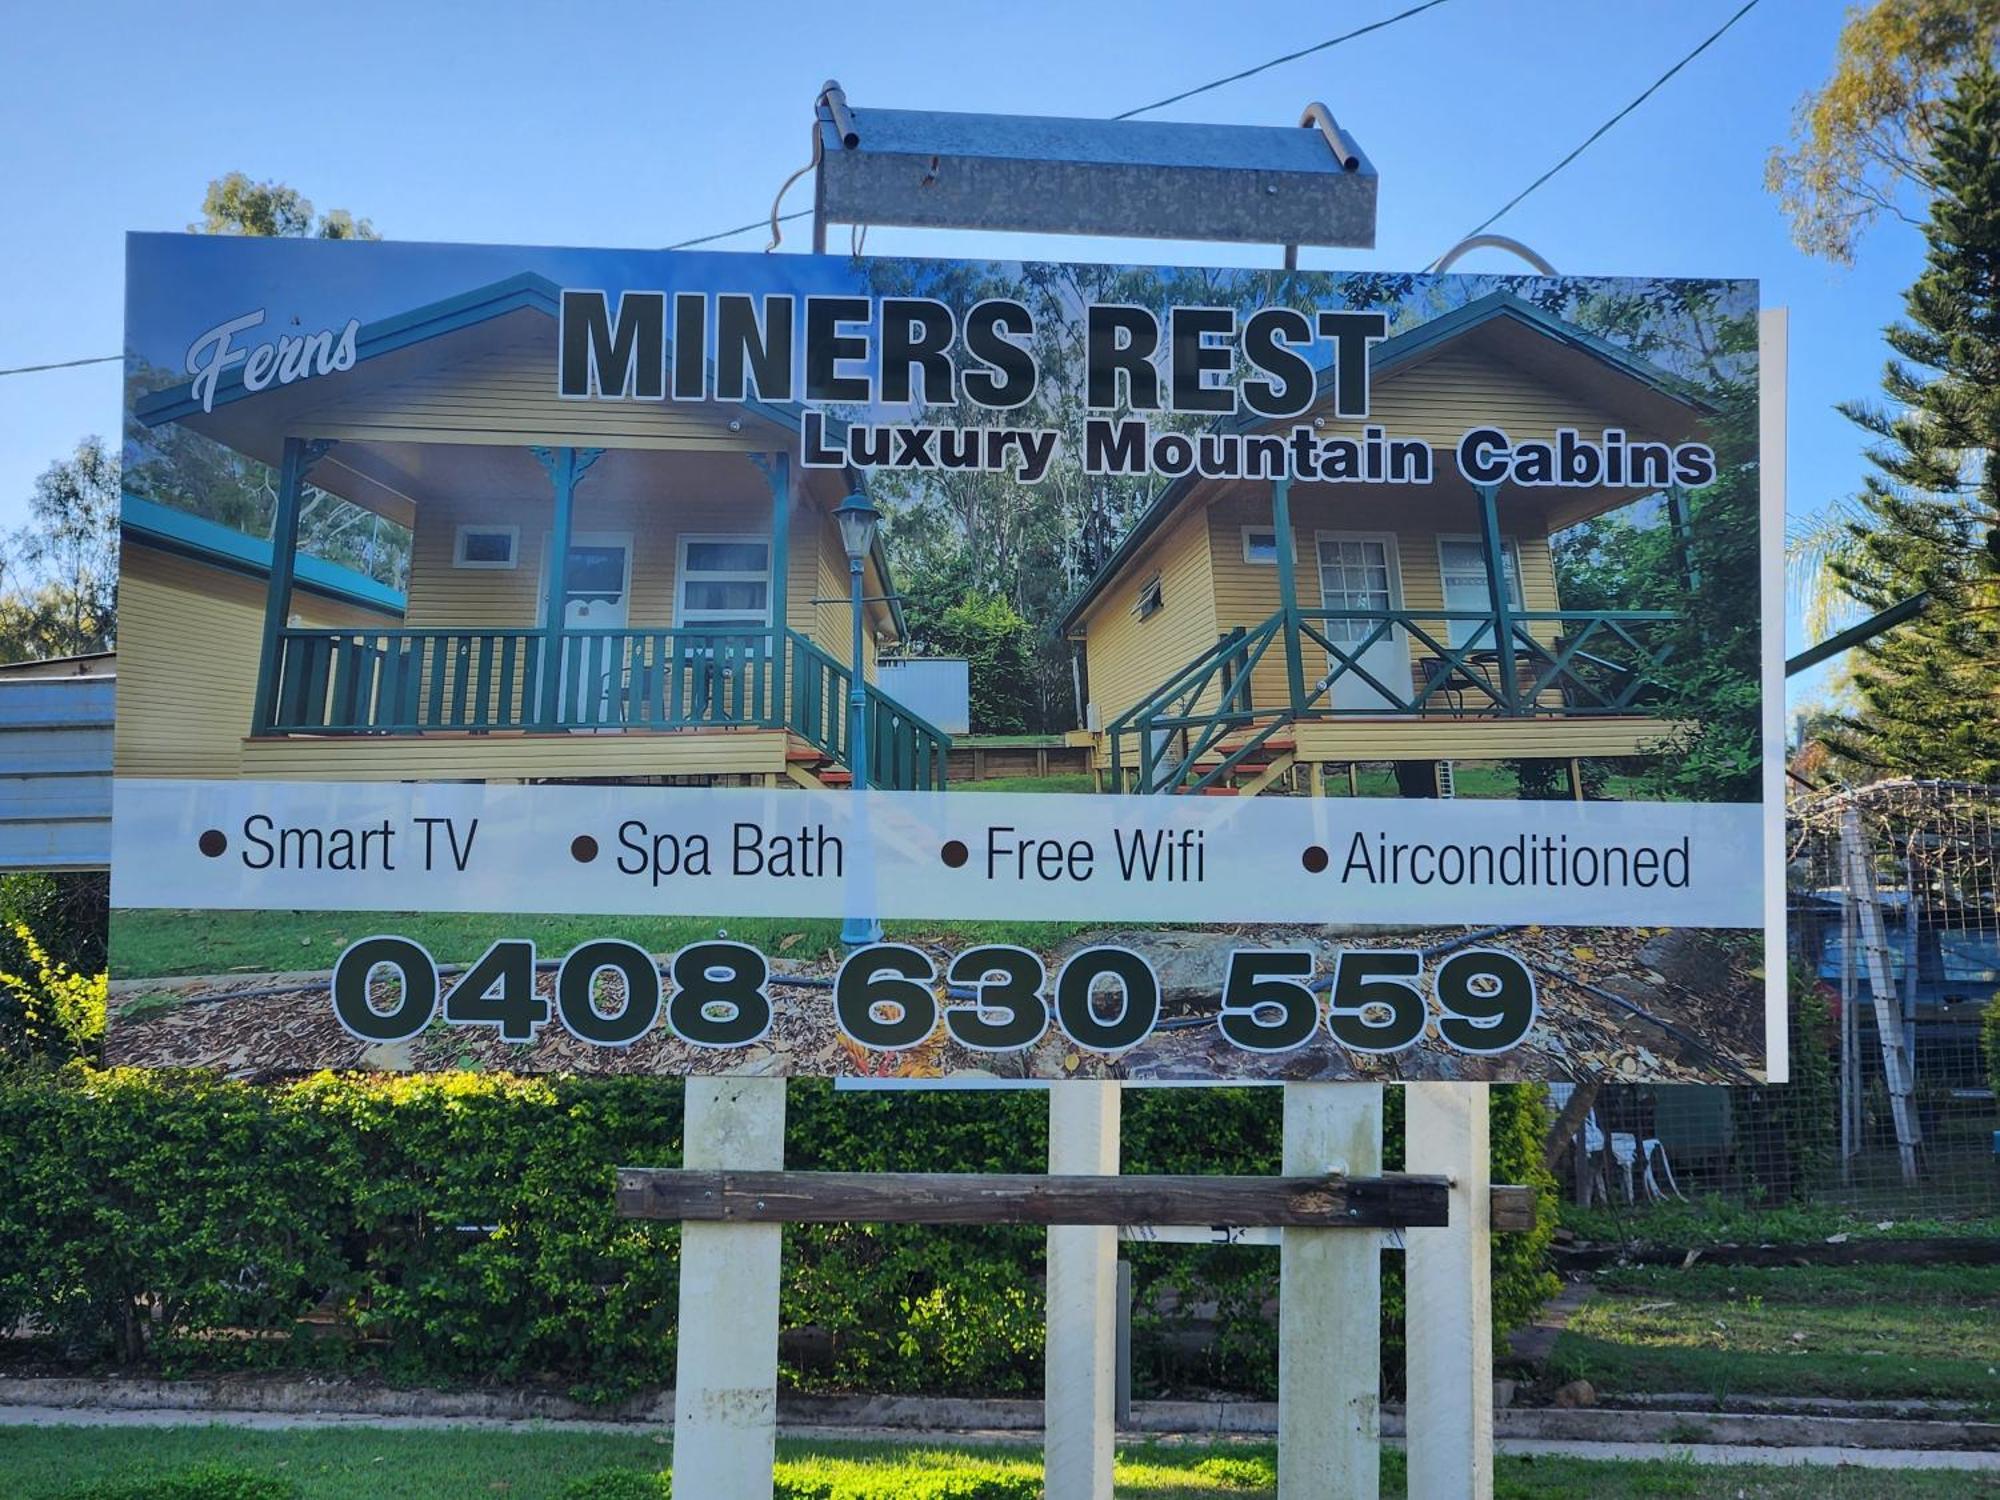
1989,1039
202,1482
1239,1473
952,1477
461,1228
616,1484
51,1010
994,639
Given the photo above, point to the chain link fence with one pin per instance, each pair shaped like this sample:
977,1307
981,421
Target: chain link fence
1894,930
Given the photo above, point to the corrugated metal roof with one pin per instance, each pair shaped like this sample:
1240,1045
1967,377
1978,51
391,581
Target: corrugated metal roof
55,772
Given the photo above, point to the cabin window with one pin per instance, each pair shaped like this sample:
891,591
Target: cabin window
724,581
486,547
1260,545
1462,566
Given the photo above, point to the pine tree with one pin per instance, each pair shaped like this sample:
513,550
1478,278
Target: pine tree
1930,689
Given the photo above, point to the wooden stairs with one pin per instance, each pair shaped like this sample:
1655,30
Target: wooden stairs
810,767
1269,764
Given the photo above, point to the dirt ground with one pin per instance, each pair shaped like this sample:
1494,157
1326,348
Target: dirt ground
1644,1004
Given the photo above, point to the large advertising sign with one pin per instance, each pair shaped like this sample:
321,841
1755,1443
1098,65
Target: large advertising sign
623,661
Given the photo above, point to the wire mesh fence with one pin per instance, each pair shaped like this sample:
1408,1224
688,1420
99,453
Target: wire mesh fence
1894,932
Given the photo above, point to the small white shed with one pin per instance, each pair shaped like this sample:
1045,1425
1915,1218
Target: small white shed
937,687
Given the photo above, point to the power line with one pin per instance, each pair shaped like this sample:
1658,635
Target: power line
62,364
1592,139
1203,88
723,234
1263,67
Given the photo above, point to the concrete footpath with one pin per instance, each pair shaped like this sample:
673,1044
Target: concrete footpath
1703,1453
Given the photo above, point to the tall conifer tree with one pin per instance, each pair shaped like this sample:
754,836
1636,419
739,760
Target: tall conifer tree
1930,689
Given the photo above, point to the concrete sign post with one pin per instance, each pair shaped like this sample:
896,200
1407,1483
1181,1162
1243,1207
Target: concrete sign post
1448,1282
726,1366
1082,1355
1330,1306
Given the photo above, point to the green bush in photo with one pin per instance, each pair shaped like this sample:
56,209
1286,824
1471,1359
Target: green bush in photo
202,1482
455,1229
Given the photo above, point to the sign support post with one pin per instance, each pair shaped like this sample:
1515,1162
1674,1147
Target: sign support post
1448,1292
1330,1306
726,1367
1081,1357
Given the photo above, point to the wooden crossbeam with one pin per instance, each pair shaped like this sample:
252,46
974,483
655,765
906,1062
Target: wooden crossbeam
1391,1201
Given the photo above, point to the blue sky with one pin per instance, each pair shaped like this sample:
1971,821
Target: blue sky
638,125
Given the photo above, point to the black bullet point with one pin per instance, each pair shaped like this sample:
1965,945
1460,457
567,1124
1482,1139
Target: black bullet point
583,848
1314,859
954,853
213,843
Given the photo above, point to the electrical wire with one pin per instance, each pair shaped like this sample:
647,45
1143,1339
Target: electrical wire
860,235
1335,41
774,219
62,364
1590,140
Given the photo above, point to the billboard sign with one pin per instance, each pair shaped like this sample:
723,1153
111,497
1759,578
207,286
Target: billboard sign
1363,669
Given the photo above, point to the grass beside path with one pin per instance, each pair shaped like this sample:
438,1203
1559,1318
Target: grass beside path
359,1463
1867,1332
1715,1220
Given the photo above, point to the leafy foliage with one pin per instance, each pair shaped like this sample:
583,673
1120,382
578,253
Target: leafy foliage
59,573
236,205
51,965
994,640
461,1228
59,1012
1632,559
1930,517
1799,1117
1989,1041
202,1482
1870,132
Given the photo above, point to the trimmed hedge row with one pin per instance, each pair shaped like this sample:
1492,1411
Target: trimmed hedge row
459,1228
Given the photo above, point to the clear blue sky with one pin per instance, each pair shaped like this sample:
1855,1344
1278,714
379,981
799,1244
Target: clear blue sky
642,124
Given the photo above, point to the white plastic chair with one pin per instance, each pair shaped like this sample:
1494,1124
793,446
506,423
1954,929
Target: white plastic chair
1625,1152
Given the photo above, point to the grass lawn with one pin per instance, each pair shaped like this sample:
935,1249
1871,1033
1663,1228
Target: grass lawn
154,942
1721,1221
1860,1332
1060,781
354,1463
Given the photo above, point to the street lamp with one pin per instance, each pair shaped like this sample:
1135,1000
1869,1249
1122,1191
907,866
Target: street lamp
857,520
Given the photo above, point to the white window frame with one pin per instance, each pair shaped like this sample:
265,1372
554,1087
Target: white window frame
1260,562
469,528
1392,552
1509,547
681,575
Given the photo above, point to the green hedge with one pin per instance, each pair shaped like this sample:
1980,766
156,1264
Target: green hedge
459,1228
203,1482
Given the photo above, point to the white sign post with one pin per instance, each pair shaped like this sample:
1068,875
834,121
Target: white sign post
726,1367
1081,1352
1330,1306
1448,1293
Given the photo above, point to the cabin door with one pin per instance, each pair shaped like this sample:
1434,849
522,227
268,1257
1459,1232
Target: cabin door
597,587
1361,571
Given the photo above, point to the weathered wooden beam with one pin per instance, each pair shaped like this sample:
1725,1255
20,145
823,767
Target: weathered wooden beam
1512,1208
1391,1201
